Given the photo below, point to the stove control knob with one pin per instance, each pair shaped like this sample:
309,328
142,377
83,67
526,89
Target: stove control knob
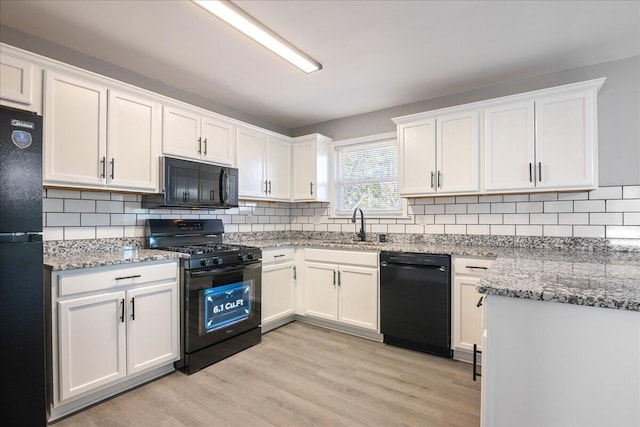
204,263
242,257
217,261
251,256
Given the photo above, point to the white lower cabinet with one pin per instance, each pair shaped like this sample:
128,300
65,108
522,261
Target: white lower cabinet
467,305
342,286
109,325
278,287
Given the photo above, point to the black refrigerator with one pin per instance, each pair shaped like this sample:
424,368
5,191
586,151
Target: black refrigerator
23,340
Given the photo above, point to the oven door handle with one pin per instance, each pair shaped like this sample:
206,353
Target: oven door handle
231,269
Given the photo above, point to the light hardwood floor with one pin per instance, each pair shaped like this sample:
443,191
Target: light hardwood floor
301,375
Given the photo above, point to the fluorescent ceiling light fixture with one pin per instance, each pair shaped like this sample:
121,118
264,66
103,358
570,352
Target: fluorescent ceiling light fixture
245,23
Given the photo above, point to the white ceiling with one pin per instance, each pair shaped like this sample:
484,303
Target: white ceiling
375,54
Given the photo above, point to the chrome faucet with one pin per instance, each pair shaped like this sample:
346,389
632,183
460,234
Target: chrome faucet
361,234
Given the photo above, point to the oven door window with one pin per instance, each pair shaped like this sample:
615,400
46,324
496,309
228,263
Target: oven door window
225,306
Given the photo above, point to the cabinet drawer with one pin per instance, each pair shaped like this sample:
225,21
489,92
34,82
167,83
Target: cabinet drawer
100,278
277,255
471,266
342,257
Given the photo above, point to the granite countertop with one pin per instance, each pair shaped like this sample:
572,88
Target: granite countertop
600,279
607,279
71,261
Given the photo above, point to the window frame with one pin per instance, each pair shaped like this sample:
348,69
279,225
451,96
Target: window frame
380,138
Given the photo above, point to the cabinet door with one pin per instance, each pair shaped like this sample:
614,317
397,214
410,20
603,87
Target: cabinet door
277,291
358,300
251,152
152,337
133,142
184,186
16,80
467,315
92,342
417,157
181,133
75,132
458,153
321,290
566,132
218,141
278,169
509,147
304,171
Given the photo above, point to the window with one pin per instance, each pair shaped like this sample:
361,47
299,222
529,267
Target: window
366,176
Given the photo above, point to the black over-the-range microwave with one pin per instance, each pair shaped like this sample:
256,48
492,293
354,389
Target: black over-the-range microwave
190,184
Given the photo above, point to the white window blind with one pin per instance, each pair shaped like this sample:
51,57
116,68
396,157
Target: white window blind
367,177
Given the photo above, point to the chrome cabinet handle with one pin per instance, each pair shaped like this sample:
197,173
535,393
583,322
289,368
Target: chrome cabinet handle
311,188
133,308
265,187
432,179
113,167
122,311
205,146
295,273
439,180
530,172
334,277
200,145
269,186
278,256
339,278
103,166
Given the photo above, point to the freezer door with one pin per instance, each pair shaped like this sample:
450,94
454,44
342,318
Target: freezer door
20,171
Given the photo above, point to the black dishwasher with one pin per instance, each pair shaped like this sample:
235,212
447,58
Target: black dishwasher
415,301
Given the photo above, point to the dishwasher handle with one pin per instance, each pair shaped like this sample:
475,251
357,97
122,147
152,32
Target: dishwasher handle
442,268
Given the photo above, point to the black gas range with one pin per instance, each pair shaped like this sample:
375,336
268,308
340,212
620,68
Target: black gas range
221,289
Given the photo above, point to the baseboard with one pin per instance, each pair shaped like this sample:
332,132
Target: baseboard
351,330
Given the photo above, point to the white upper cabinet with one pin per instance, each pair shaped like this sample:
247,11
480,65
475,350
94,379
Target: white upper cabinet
75,131
264,164
88,145
190,134
133,141
438,154
543,141
311,168
20,82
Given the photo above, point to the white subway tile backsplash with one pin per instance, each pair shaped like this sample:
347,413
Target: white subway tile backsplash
103,206
134,231
478,229
515,198
503,230
123,219
455,229
395,228
631,218
631,192
456,209
445,219
543,197
490,199
109,232
605,218
543,218
55,193
444,200
467,199
72,205
503,207
63,219
466,219
626,232
557,230
79,233
515,219
424,201
588,231
431,229
53,205
97,195
52,233
581,195
589,206
490,219
627,205
479,208
414,228
564,206
606,193
91,219
529,207
573,218
416,209
529,230
434,209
